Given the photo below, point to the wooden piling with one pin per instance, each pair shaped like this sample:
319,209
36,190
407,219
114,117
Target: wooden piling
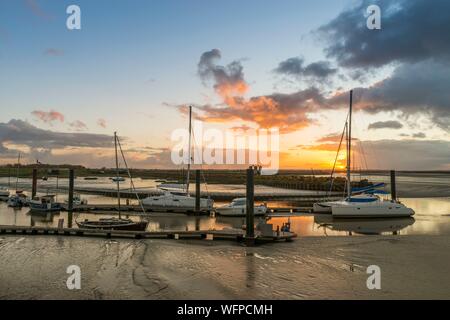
70,200
250,228
393,186
34,184
197,190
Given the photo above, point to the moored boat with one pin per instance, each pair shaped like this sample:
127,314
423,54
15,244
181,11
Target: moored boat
238,208
113,224
44,204
176,199
363,205
116,223
177,195
4,194
77,200
17,200
376,209
325,207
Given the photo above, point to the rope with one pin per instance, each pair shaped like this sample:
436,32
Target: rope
337,155
201,165
129,174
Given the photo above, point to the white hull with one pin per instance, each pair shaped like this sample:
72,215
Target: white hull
379,209
325,207
176,201
322,207
240,211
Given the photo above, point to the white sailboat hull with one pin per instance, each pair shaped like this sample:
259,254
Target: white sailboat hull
176,201
240,211
322,207
382,209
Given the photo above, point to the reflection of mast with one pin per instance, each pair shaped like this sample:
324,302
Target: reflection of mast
17,172
189,152
117,173
349,147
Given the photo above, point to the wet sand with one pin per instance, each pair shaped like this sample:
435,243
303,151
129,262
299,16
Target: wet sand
412,267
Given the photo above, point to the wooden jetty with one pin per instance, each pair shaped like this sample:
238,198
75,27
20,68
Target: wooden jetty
137,210
132,209
227,234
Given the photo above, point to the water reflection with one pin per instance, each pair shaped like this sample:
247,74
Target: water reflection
41,218
432,217
363,226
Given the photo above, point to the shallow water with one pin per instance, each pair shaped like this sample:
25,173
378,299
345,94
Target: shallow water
432,218
308,268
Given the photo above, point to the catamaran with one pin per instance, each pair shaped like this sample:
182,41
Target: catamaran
362,205
177,196
116,223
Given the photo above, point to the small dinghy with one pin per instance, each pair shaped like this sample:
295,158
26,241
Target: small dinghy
4,194
17,200
114,224
77,201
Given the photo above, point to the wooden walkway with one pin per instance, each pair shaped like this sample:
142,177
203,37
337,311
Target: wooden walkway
134,209
137,210
228,234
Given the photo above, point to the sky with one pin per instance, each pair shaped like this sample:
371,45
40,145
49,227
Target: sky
135,66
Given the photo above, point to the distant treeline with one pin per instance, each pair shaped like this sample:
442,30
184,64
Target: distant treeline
289,179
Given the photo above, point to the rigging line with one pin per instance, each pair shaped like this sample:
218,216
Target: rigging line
363,154
117,173
131,178
337,155
201,164
17,172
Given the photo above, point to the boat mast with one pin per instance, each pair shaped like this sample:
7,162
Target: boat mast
189,152
17,171
349,148
117,173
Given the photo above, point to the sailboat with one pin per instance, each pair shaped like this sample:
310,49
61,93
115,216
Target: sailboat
177,196
19,199
362,205
115,223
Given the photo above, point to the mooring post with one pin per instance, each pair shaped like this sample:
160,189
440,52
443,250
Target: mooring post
70,205
393,186
197,191
250,227
34,184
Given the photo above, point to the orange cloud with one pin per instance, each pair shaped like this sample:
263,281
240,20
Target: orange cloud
287,112
48,117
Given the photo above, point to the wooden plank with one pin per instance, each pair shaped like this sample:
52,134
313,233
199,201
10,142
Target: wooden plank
200,234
